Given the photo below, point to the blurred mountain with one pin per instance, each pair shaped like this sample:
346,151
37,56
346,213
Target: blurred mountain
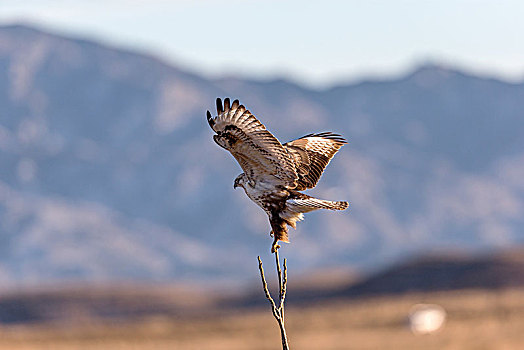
117,302
502,270
108,170
424,274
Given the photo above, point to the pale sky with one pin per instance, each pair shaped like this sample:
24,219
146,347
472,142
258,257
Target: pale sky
317,43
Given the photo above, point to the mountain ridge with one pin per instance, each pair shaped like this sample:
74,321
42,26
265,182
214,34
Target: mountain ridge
422,66
113,138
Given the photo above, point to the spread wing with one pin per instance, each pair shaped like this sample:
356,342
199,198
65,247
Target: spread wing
258,152
311,154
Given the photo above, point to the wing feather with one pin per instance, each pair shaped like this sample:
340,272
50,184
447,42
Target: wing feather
319,149
258,152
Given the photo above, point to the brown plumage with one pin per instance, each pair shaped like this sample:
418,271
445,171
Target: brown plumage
314,153
274,173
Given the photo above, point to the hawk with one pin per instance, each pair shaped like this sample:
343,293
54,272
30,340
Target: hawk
275,173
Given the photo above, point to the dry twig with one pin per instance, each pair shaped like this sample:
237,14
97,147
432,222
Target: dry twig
278,311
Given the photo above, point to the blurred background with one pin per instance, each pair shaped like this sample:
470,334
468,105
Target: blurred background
119,225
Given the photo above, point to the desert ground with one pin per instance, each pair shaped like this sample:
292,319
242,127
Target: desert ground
476,319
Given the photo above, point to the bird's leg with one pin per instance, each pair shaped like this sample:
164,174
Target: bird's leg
275,222
275,245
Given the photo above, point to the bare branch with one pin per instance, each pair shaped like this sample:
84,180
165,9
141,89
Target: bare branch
266,290
279,274
278,312
283,290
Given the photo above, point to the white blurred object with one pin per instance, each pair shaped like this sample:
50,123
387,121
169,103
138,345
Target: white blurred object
426,318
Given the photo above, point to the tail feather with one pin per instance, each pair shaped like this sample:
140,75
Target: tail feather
305,205
296,206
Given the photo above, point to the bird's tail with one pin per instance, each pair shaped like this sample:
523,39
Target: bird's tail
305,205
295,207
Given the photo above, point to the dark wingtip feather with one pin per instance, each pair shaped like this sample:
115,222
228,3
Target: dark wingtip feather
220,109
227,104
235,104
328,135
340,139
210,119
335,137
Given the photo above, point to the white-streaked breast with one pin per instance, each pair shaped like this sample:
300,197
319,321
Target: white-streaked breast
263,192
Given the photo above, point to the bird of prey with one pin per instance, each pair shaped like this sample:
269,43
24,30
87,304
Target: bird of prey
274,173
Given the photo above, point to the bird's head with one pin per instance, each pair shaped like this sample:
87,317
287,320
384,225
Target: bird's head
240,181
